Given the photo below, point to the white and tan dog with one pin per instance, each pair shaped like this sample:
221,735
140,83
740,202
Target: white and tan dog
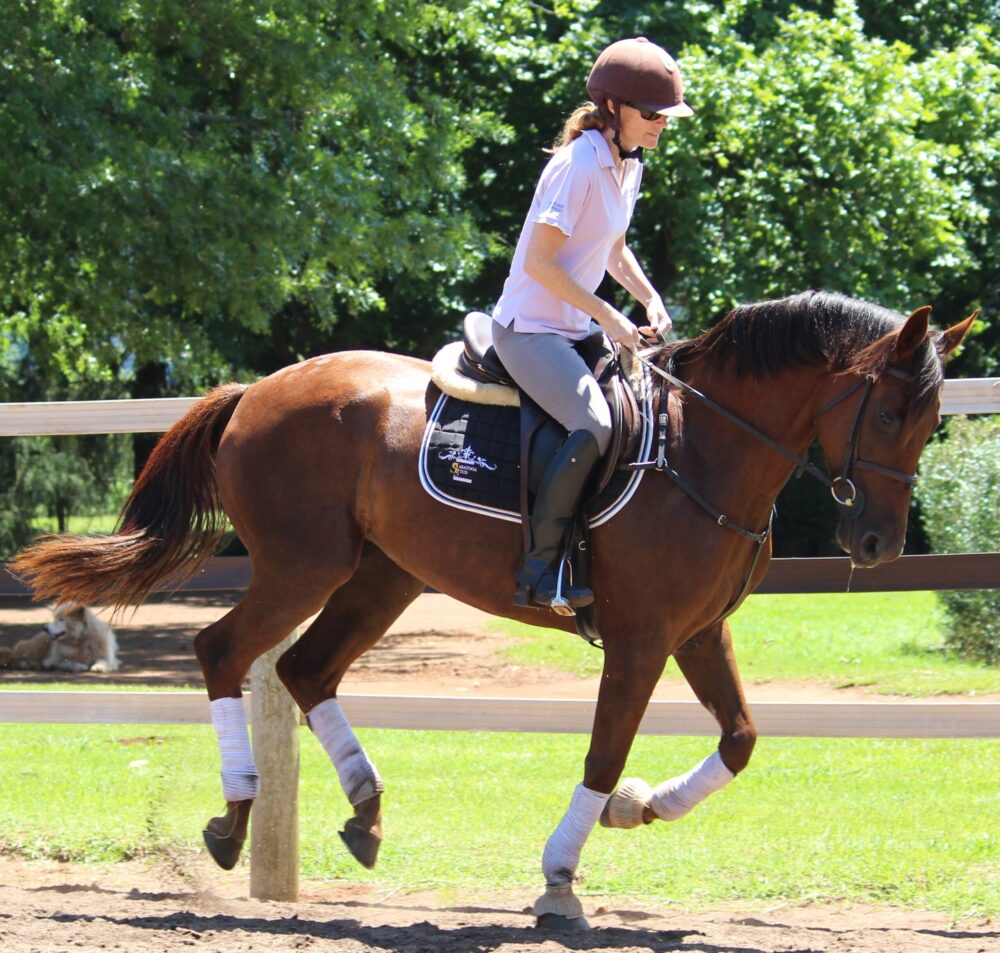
75,641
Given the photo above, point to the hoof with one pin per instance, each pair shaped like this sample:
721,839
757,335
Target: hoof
361,842
625,807
224,836
363,833
560,924
559,909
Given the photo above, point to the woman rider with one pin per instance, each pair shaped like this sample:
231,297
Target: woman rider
573,234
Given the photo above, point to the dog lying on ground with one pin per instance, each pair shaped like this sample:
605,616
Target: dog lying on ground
75,641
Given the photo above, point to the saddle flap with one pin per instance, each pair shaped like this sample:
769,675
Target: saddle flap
626,428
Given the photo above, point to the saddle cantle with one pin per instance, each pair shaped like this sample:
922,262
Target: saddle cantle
478,359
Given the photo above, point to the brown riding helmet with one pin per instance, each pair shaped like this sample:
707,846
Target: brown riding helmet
641,74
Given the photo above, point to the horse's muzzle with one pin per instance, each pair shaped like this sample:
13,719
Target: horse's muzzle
867,545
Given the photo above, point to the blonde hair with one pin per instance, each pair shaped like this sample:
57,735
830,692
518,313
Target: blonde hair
582,118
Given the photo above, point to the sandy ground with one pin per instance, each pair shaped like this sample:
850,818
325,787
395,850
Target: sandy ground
437,647
130,907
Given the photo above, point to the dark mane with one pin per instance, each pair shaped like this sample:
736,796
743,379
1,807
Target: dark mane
810,329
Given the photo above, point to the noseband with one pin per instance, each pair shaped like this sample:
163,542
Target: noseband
853,502
842,487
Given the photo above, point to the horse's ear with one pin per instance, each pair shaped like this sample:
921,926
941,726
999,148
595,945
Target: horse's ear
912,333
950,339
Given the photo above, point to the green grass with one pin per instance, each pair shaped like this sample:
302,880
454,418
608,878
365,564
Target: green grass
911,823
888,642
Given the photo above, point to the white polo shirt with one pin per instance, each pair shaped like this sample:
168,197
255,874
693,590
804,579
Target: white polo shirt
579,193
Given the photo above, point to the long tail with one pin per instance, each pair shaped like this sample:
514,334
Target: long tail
171,522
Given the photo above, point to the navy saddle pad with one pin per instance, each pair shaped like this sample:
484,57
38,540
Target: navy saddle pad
470,459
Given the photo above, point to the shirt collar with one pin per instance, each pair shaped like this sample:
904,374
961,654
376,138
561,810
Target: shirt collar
601,147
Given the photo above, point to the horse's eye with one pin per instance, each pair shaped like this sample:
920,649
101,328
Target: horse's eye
885,417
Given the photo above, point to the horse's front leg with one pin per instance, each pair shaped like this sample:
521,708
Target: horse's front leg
629,676
708,664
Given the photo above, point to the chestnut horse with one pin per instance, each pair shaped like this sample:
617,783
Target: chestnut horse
316,467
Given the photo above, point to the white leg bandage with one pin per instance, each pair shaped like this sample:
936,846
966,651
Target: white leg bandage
239,772
562,850
357,774
674,798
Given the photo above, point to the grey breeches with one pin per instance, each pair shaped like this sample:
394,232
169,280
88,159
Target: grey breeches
556,378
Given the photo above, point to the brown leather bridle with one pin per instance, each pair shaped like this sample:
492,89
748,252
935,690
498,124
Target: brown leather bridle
851,502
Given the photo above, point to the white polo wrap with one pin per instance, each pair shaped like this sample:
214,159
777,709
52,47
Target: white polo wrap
240,781
357,774
562,850
674,798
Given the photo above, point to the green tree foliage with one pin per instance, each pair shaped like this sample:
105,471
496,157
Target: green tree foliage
959,89
851,147
189,191
806,167
193,182
927,25
959,495
234,185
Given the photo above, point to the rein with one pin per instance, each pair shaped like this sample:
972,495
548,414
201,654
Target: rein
852,503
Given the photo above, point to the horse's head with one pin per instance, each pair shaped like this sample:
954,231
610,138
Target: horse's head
874,423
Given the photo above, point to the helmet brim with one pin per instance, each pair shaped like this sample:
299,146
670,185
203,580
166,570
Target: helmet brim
677,111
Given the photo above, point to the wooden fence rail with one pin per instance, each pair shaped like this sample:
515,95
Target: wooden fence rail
66,418
848,719
825,574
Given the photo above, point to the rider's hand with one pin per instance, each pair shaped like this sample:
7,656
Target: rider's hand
620,330
659,321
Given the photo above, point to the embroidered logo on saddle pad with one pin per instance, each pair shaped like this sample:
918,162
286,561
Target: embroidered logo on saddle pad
470,459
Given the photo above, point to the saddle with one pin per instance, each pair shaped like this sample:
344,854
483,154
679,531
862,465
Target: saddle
472,370
478,362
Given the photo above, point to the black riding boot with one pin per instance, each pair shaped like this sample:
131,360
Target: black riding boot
555,505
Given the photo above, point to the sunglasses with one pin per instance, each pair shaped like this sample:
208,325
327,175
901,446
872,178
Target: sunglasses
650,115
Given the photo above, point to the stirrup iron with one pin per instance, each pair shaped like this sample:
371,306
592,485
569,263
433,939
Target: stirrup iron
559,603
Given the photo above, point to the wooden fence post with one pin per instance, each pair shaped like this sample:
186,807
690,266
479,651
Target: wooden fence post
274,823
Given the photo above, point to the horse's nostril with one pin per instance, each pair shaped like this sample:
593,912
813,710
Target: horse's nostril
871,545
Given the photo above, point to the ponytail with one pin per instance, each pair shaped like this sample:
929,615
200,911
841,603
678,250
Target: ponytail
582,118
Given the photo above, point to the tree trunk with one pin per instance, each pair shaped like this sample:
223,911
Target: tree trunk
150,381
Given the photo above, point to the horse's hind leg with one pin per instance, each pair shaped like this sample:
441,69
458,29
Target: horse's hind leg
355,618
708,664
274,604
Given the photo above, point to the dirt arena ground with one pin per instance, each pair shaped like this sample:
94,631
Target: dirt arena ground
56,908
437,647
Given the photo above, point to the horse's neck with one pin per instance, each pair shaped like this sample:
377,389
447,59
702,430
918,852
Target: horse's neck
744,472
